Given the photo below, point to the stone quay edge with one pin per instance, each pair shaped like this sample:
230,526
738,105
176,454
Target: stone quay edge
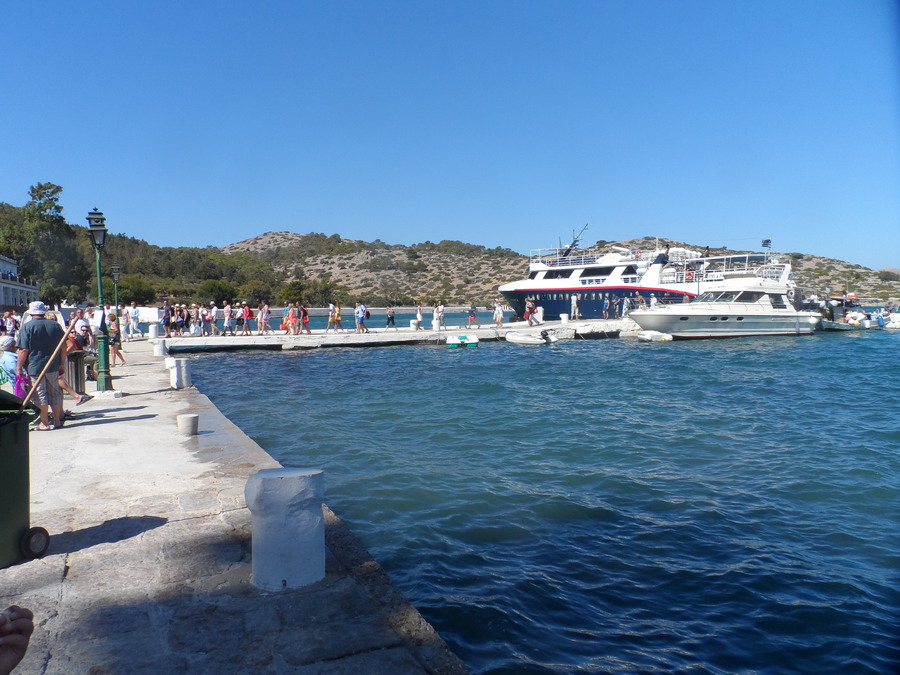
149,565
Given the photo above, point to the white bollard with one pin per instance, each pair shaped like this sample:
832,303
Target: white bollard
288,528
154,330
170,362
564,319
180,375
188,425
159,348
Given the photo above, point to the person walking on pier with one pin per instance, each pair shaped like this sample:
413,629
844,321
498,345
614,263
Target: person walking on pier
360,314
134,316
245,317
419,316
498,314
214,318
304,318
227,314
472,318
389,311
262,321
330,323
290,320
166,318
337,317
285,318
115,339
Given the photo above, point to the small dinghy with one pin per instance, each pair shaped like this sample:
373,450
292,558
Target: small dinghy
653,336
459,341
531,339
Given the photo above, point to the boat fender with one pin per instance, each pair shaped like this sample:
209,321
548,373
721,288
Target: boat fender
880,321
638,254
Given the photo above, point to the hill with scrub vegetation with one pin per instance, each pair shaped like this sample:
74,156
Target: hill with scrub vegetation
315,268
458,272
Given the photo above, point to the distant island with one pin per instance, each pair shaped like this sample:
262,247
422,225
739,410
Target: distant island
318,268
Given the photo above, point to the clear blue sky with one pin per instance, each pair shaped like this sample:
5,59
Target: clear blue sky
503,123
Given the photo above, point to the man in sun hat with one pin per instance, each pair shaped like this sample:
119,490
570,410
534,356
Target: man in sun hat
37,342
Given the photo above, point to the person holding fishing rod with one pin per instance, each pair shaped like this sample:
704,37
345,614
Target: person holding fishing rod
39,342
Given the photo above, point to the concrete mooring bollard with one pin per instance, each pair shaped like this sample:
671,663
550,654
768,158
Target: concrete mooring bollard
288,530
188,425
159,348
154,330
180,374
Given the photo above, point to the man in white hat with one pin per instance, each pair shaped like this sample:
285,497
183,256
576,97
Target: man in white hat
37,341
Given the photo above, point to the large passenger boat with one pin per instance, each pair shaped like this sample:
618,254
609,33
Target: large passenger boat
580,284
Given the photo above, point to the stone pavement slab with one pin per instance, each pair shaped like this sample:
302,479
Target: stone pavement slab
149,563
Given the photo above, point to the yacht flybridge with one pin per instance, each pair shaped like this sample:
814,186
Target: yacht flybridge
581,284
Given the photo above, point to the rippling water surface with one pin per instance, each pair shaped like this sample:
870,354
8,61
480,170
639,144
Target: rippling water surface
612,506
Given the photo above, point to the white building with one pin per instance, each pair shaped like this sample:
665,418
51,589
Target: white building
15,291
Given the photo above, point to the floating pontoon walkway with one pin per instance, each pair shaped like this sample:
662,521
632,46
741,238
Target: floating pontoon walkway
278,341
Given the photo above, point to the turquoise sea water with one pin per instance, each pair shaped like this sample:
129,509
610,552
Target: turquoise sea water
611,506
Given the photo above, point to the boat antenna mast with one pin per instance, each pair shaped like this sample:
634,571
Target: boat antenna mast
574,244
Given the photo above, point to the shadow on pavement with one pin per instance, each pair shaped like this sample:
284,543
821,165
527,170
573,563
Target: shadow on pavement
110,531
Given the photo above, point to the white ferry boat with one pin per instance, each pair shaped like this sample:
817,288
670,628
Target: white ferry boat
581,285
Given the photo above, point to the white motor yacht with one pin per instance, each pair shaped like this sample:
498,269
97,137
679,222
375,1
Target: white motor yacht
762,305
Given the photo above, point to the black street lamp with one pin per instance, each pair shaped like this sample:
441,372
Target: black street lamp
97,230
116,272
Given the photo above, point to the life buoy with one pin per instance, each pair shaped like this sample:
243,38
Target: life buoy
791,294
689,275
638,254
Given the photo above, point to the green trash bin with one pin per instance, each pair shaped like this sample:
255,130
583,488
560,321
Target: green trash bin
18,540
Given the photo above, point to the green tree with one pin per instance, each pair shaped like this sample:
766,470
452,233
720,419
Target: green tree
217,290
292,291
134,288
50,253
255,291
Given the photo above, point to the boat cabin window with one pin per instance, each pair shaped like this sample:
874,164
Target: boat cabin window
749,296
533,275
778,301
558,274
597,271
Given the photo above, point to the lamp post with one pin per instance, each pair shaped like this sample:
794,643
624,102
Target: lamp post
97,230
116,272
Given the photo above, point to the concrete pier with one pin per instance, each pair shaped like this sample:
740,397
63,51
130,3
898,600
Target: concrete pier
149,564
380,337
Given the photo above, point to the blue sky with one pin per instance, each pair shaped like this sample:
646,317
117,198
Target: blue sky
493,122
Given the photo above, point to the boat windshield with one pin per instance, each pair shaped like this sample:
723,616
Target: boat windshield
717,296
749,296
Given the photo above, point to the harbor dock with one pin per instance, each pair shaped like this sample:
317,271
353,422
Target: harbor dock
380,337
149,564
